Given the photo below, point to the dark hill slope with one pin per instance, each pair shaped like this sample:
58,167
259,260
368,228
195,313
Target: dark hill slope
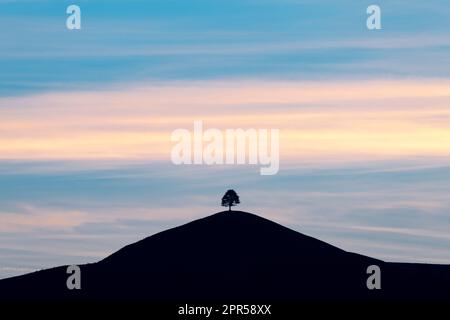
234,255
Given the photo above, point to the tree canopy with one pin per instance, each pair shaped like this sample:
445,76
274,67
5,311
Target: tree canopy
230,199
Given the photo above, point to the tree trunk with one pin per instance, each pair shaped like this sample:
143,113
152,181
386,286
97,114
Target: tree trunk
229,207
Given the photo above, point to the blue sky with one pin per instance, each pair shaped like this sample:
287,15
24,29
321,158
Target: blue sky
202,39
64,90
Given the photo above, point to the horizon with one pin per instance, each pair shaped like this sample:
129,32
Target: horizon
86,118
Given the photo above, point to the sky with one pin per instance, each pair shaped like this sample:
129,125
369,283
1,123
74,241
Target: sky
86,118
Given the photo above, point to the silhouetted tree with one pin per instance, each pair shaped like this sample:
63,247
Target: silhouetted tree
230,199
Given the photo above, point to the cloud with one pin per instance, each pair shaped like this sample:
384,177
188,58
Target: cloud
162,40
33,218
344,120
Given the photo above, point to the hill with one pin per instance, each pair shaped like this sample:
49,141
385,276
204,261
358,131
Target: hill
233,255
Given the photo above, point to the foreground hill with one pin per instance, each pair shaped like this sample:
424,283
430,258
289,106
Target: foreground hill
233,255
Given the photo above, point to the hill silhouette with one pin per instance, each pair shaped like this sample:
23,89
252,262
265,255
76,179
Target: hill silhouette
233,255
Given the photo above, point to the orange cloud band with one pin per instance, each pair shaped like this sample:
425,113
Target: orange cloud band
380,119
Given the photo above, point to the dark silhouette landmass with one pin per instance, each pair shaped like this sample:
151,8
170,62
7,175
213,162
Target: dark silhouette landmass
233,255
